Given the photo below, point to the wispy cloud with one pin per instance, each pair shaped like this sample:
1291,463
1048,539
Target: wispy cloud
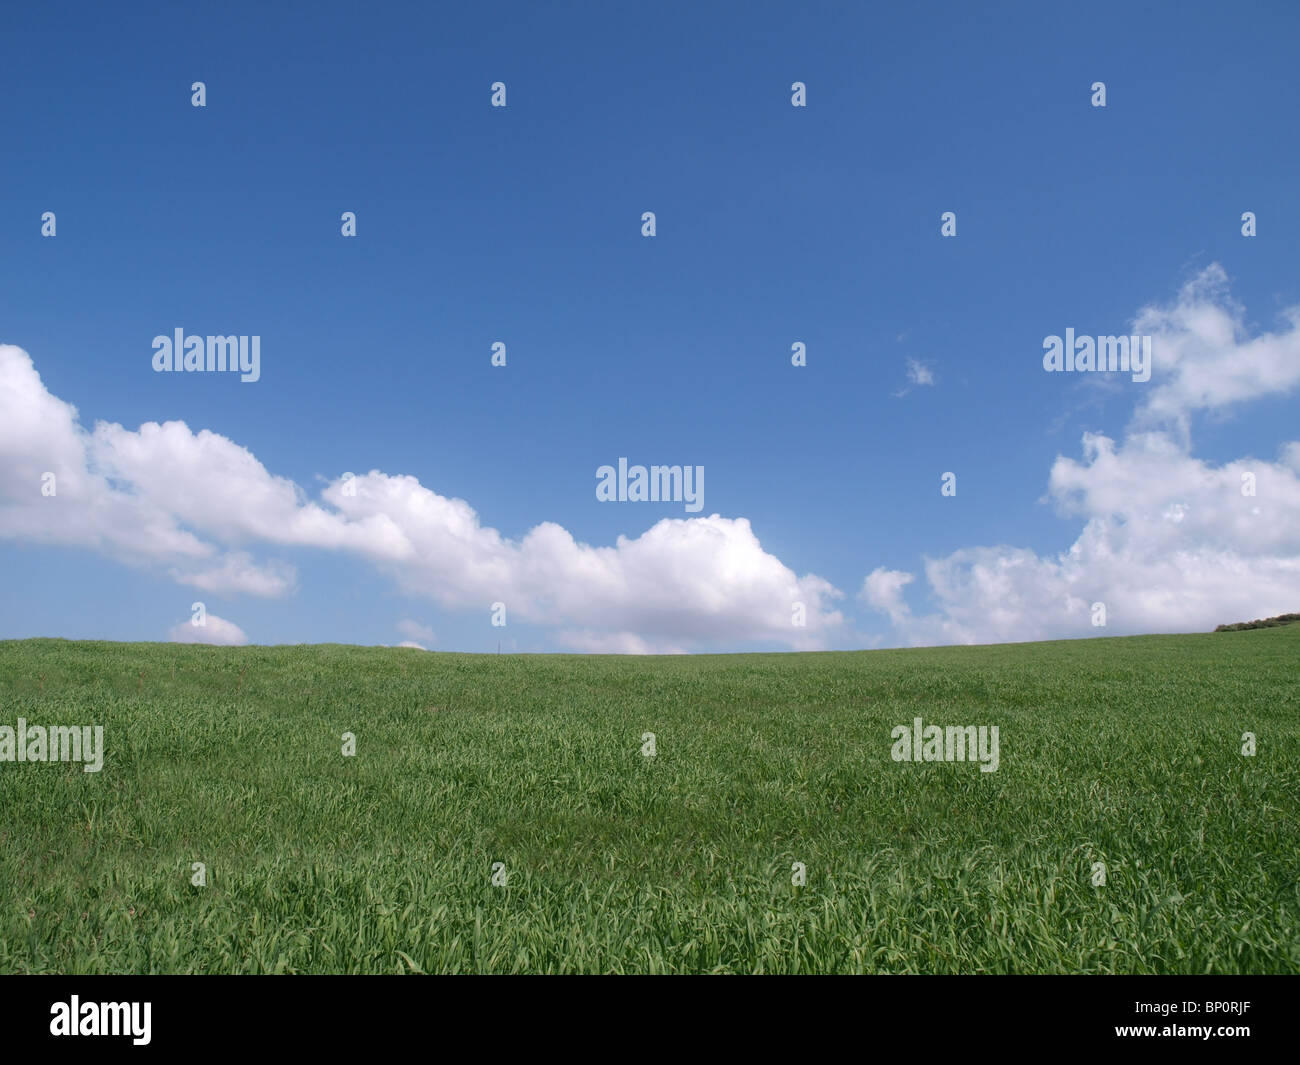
918,374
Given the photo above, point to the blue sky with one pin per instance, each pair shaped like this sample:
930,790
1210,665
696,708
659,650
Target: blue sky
522,224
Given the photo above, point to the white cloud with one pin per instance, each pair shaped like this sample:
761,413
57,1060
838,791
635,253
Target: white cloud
215,630
694,581
918,373
1204,358
237,573
1169,542
108,489
195,503
883,590
413,645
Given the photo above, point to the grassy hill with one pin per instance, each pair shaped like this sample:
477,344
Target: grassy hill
1126,752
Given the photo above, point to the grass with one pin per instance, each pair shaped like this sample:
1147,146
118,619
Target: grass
1121,751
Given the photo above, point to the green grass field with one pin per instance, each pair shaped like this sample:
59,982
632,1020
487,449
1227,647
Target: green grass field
1122,751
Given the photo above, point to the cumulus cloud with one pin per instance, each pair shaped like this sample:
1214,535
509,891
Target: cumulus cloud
883,590
693,581
62,485
196,503
1204,358
214,630
1169,542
